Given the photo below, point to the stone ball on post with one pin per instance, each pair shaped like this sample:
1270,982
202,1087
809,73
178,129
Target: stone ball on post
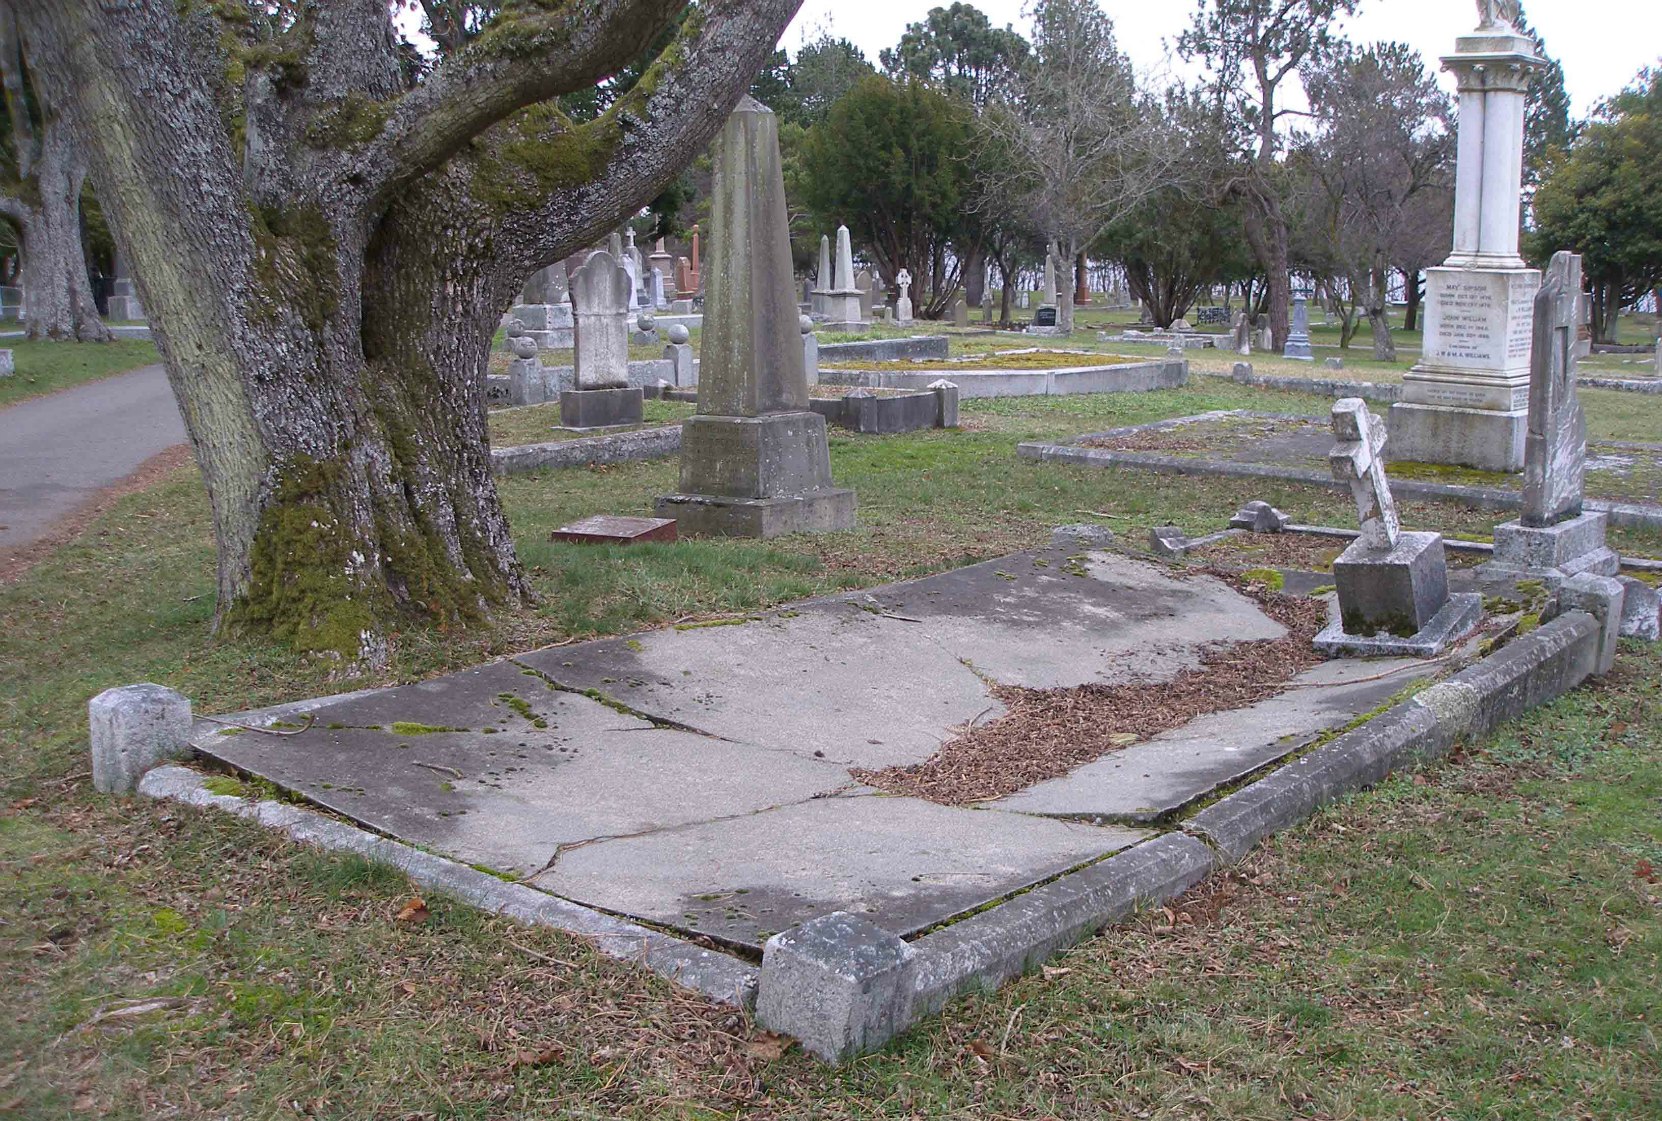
805,325
645,322
678,334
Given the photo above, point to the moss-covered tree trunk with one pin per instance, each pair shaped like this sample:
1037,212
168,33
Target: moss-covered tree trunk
325,248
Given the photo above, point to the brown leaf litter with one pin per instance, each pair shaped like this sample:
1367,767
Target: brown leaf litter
1046,733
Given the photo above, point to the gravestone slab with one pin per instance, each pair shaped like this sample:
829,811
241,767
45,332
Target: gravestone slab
612,529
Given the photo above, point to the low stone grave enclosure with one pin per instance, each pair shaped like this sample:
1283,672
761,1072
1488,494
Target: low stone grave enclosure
1029,373
827,811
1623,477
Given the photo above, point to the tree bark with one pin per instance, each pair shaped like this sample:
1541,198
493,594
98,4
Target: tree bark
58,302
1411,288
325,281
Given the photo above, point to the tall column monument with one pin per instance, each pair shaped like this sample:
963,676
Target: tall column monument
754,460
1467,401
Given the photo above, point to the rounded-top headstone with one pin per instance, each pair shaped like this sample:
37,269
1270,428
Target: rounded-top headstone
805,325
678,334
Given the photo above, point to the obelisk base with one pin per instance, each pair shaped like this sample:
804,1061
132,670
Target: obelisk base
1484,439
1572,546
757,477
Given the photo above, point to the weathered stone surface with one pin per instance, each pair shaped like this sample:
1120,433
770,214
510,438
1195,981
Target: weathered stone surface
1395,589
838,984
903,863
600,290
989,948
825,674
135,727
1452,622
1555,451
1234,825
1298,336
1259,517
1564,543
1532,669
1598,596
946,394
1167,541
610,529
1357,459
1639,610
718,976
601,408
754,461
417,762
1150,780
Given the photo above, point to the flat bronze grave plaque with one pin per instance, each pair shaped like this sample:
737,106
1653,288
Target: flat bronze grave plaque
610,529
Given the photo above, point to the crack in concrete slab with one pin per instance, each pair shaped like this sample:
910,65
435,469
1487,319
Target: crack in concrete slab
616,705
847,790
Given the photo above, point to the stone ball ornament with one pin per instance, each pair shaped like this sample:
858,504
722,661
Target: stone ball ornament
678,334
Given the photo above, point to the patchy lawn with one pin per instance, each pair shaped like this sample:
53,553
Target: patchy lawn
539,424
44,367
1482,940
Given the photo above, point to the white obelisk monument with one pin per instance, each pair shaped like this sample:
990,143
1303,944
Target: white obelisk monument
1467,400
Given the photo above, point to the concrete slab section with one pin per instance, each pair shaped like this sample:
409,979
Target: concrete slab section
903,863
884,677
509,796
823,678
1152,779
1052,619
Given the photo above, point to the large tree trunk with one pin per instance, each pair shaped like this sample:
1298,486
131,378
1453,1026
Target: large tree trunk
1266,233
324,280
57,294
1411,290
1384,349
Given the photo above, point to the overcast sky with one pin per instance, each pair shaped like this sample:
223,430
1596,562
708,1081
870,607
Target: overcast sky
1602,43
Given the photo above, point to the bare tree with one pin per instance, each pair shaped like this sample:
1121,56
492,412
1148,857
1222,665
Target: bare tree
1251,48
1085,146
325,245
41,194
1384,145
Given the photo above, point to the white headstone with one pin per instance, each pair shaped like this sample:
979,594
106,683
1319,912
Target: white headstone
600,291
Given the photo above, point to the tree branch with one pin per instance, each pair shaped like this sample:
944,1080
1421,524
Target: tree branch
24,141
523,57
644,140
15,209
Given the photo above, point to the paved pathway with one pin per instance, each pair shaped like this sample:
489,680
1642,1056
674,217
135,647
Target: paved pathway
58,451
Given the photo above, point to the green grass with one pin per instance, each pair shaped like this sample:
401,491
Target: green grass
43,367
536,424
1480,941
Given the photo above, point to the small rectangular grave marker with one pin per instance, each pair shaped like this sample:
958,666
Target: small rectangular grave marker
611,529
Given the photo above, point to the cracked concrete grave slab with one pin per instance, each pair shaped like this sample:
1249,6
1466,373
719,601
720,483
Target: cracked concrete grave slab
883,677
903,863
494,767
698,777
1153,779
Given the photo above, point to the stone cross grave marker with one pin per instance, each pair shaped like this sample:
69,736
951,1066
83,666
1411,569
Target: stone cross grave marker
1356,458
903,306
1555,450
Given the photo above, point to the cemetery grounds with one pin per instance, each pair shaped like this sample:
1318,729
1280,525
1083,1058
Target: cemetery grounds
1480,939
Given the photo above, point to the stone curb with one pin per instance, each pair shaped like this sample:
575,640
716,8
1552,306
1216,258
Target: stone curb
1627,514
988,949
718,976
588,451
1528,671
977,382
1383,393
1625,385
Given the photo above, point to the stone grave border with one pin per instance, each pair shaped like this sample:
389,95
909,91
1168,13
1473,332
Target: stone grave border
588,451
851,992
978,381
1630,514
1389,393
